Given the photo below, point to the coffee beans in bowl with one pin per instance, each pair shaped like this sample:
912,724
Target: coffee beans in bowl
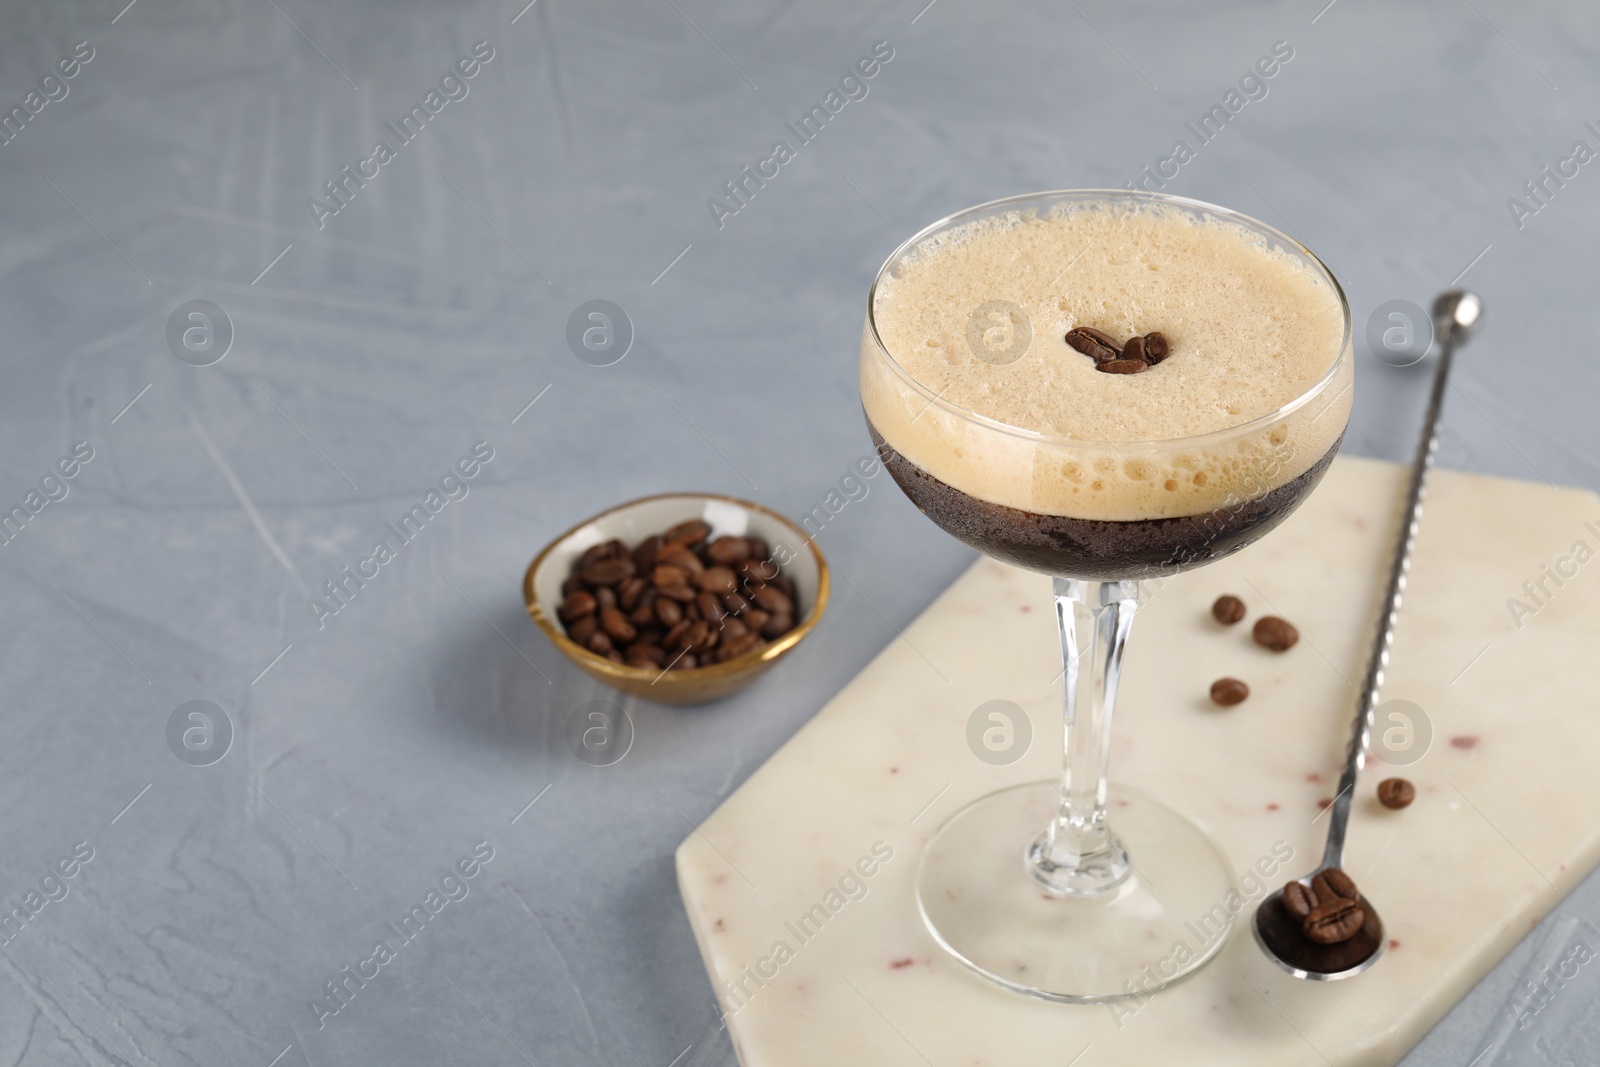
677,600
680,598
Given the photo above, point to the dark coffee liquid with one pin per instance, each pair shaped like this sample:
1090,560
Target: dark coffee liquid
1097,549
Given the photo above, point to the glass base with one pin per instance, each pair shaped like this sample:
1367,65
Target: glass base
1166,920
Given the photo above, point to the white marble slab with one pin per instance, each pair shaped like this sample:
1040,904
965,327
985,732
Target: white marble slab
1502,827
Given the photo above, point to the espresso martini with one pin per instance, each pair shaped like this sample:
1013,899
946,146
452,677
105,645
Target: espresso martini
1028,449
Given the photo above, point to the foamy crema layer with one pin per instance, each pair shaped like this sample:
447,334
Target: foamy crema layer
1252,329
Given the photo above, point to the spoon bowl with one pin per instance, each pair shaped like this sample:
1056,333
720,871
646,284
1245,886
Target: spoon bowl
1280,937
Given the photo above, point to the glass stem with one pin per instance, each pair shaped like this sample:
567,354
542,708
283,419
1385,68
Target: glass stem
1078,854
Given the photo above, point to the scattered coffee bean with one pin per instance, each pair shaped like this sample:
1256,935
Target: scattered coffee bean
1229,691
1396,793
1277,634
1123,366
1338,920
1228,609
1299,900
1155,347
678,600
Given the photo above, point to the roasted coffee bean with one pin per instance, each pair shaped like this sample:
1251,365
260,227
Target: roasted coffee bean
616,625
711,608
732,627
595,553
758,548
701,636
644,557
1396,793
677,555
736,646
683,594
675,635
662,575
598,642
685,662
1298,900
630,592
717,580
1336,921
606,597
785,584
689,533
653,654
608,571
755,618
645,613
1228,609
1229,691
573,584
1096,344
668,611
1155,347
577,605
1134,349
1333,884
757,570
583,629
726,550
773,599
1123,366
777,626
735,603
1275,633
651,635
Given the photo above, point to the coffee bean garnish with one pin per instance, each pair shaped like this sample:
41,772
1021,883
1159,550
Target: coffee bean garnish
1136,354
678,600
1229,691
1277,634
1096,344
1396,793
1338,920
1155,347
1228,609
1123,366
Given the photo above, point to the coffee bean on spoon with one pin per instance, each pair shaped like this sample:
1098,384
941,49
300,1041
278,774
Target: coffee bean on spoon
1333,882
1338,920
1274,633
1299,900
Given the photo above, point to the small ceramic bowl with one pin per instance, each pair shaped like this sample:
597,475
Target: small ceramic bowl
633,522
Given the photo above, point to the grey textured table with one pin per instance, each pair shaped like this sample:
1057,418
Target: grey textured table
373,345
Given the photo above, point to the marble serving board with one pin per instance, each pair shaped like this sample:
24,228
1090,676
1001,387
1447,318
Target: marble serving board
1502,828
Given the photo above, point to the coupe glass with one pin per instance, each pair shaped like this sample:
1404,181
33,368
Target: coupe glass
1032,886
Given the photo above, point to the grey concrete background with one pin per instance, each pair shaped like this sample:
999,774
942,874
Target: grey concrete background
425,316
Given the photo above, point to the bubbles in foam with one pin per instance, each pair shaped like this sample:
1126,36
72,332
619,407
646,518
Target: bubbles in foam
1252,328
